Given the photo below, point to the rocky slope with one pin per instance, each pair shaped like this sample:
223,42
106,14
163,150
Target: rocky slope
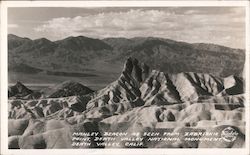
140,101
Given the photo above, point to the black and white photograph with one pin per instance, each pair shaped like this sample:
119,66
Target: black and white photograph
123,77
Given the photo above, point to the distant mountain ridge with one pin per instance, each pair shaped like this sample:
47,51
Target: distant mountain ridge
82,53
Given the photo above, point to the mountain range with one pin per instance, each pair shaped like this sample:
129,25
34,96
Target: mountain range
82,56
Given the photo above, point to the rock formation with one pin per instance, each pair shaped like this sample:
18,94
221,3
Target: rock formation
140,101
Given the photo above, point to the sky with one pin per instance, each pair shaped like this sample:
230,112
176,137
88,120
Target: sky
219,25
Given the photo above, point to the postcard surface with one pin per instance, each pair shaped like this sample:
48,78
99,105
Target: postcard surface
91,77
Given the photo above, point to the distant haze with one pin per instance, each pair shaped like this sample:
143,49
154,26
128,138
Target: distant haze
219,25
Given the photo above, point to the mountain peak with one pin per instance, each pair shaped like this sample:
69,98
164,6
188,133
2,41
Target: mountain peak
139,71
44,40
67,88
19,90
82,43
19,84
15,41
21,87
77,38
13,36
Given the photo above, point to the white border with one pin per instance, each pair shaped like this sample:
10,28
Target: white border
4,73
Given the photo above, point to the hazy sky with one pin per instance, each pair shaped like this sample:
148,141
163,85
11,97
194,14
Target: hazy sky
219,25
